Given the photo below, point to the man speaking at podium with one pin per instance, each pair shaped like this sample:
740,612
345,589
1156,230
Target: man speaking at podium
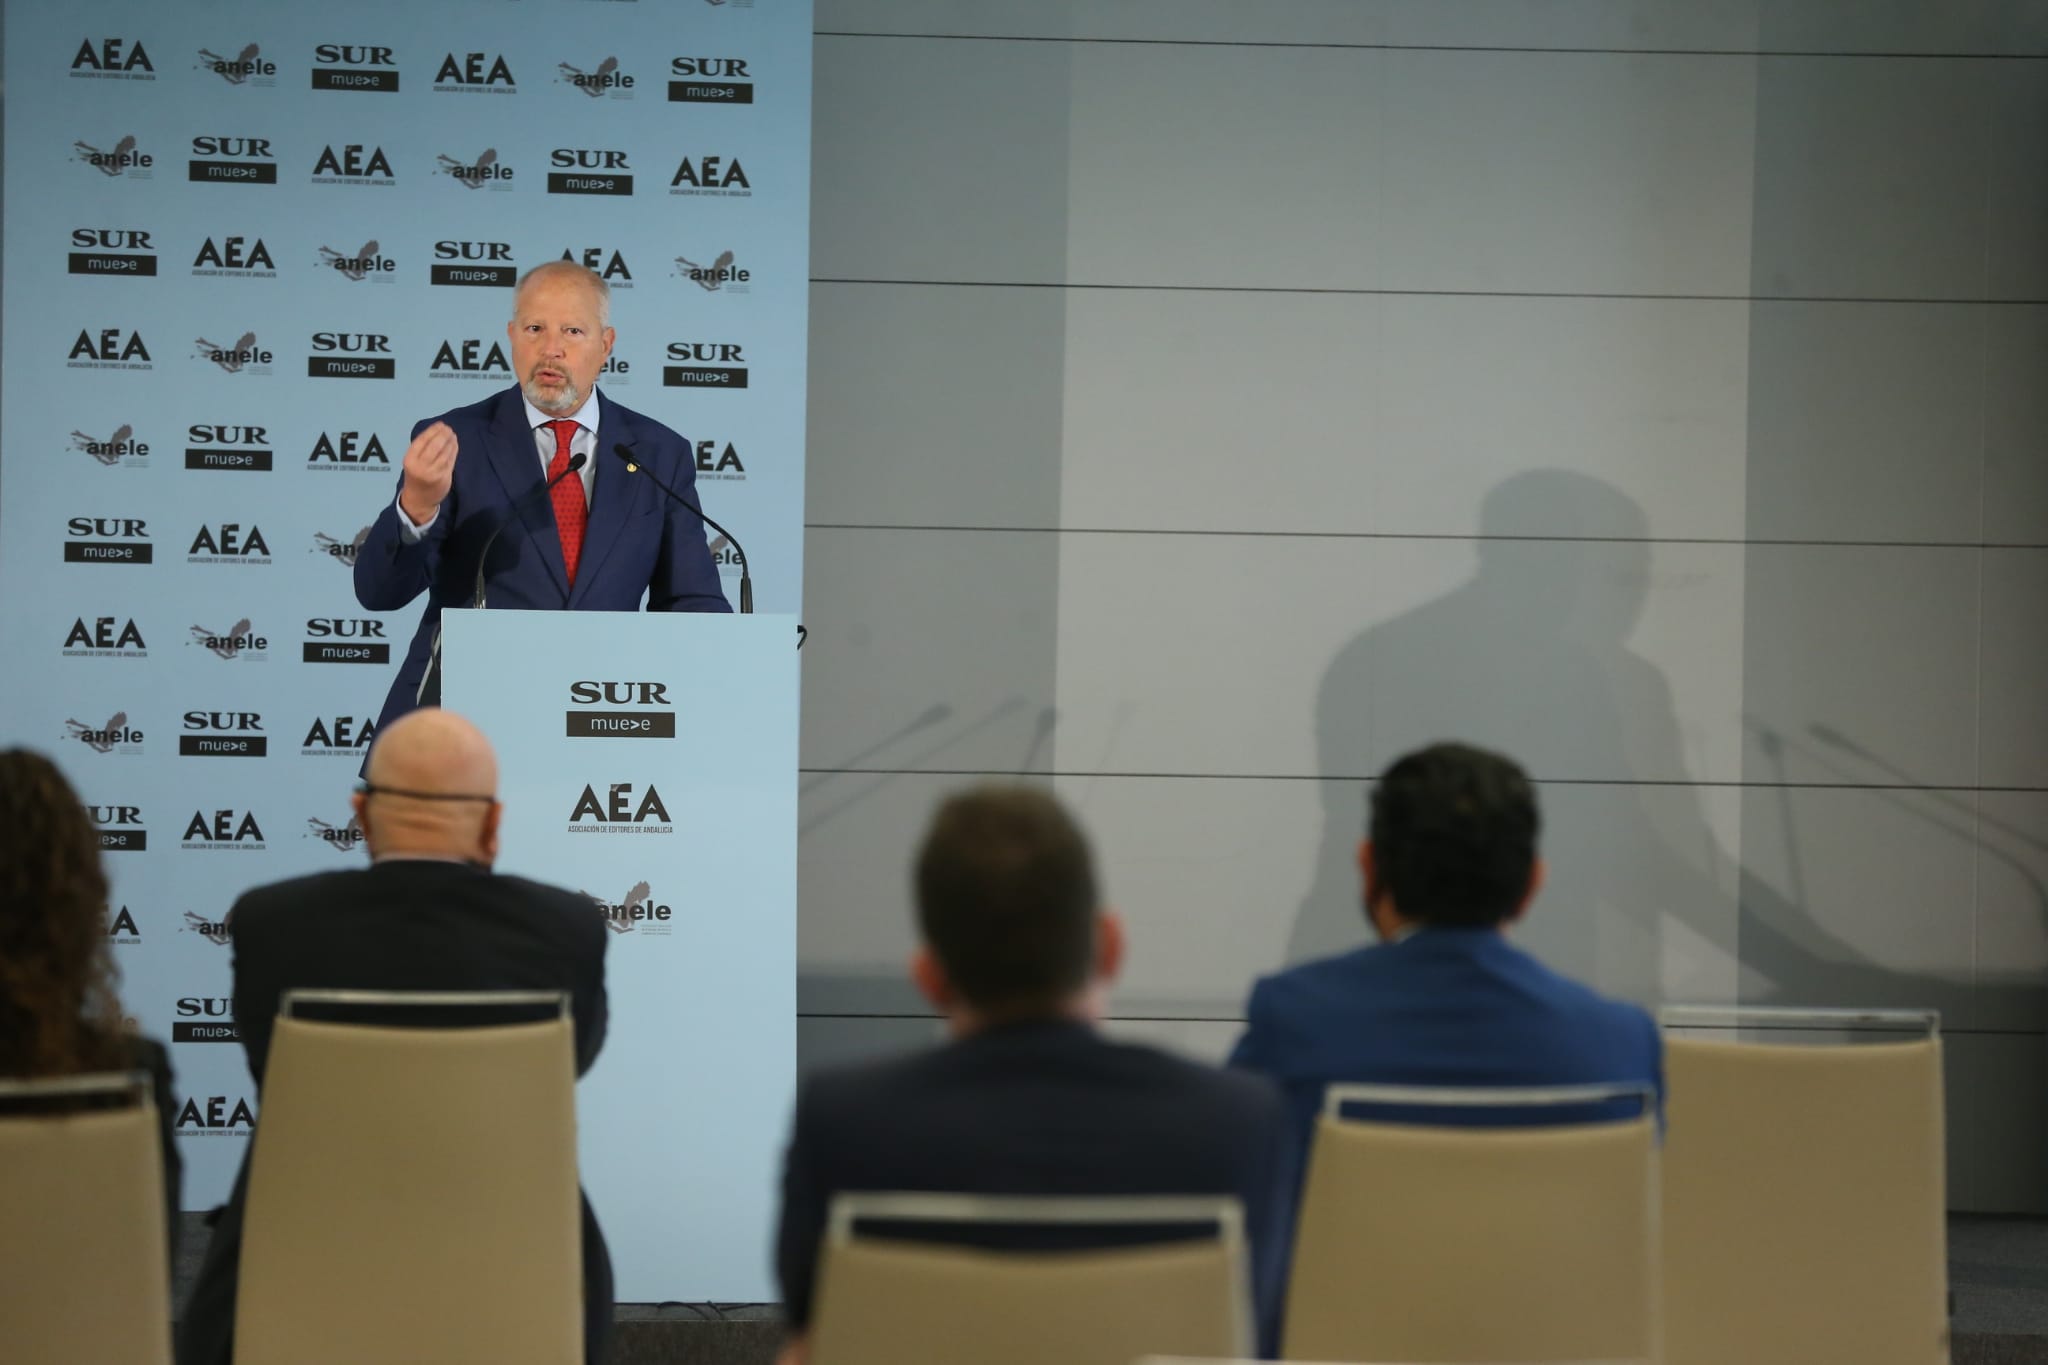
520,500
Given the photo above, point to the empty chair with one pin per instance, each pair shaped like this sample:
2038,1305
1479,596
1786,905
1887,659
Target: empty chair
1432,1243
412,1191
1804,1193
82,1248
886,1301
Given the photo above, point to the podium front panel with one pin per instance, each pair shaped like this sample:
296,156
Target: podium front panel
648,760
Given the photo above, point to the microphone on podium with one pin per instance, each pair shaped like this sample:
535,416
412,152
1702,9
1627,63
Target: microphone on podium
633,466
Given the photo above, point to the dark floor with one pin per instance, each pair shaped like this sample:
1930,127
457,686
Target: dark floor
1998,1272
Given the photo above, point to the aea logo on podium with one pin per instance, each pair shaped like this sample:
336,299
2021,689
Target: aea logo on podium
621,808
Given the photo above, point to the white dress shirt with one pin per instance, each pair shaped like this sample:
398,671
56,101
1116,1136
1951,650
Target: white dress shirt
584,443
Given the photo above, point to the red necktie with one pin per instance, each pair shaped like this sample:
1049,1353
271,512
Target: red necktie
570,511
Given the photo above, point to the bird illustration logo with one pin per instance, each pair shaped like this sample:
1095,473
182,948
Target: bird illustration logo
228,645
99,740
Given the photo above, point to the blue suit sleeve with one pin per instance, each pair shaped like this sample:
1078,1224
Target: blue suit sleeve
389,572
1253,1046
685,576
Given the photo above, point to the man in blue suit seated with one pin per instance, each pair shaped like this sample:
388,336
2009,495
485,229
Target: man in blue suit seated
1027,1098
1444,998
600,540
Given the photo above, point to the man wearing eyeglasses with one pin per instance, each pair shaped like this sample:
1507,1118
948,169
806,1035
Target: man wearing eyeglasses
428,913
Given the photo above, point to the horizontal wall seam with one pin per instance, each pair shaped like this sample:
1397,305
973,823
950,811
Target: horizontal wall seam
1818,53
1595,295
1459,537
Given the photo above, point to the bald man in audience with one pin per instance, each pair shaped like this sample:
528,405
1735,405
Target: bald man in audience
428,913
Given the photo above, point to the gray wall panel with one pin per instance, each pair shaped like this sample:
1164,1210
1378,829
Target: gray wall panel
2016,424
1290,412
935,406
2014,723
1997,1121
1864,421
1871,178
1863,661
2012,891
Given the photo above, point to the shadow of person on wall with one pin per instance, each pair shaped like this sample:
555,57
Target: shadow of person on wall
1531,656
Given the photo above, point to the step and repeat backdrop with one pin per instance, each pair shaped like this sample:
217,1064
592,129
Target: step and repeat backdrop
247,246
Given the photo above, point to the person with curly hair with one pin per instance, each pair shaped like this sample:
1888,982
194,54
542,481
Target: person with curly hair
60,1014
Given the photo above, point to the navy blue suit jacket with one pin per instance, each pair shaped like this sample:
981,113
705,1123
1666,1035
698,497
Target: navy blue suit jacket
637,540
1035,1108
1449,1007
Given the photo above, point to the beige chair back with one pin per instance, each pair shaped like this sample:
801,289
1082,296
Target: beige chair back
887,1302
412,1191
1804,1203
1422,1243
82,1261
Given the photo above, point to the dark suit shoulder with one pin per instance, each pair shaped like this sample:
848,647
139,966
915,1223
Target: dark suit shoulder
480,413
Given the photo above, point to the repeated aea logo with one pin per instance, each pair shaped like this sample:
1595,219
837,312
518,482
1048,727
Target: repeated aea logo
474,73
349,451
123,930
117,158
339,736
483,171
234,255
355,68
112,59
609,263
105,637
353,163
239,643
711,175
214,1116
223,829
120,446
470,358
719,274
599,80
709,80
111,252
114,735
366,262
228,542
109,348
244,66
242,356
635,912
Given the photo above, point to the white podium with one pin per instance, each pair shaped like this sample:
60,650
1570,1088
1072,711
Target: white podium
649,759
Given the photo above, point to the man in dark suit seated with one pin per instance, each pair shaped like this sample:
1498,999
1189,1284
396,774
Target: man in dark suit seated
1444,999
1027,1098
427,914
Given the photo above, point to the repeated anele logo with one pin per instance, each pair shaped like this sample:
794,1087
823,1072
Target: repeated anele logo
245,356
342,552
598,82
238,642
342,838
219,932
113,735
721,274
246,67
120,448
485,171
365,262
636,911
124,158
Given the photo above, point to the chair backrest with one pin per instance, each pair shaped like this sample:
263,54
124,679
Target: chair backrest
883,1301
1804,1197
412,1191
1429,1243
83,1274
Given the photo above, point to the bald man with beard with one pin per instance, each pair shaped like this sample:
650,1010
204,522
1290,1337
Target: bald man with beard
428,913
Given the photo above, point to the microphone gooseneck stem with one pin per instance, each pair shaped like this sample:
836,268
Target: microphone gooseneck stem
633,465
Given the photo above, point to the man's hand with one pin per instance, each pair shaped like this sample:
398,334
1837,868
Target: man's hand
429,473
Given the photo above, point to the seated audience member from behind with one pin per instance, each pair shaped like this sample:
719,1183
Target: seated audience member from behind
1450,863
1026,1098
428,913
60,1014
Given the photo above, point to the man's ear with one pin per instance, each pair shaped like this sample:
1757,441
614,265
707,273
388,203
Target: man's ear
1537,871
359,802
487,838
930,979
1368,873
1109,946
